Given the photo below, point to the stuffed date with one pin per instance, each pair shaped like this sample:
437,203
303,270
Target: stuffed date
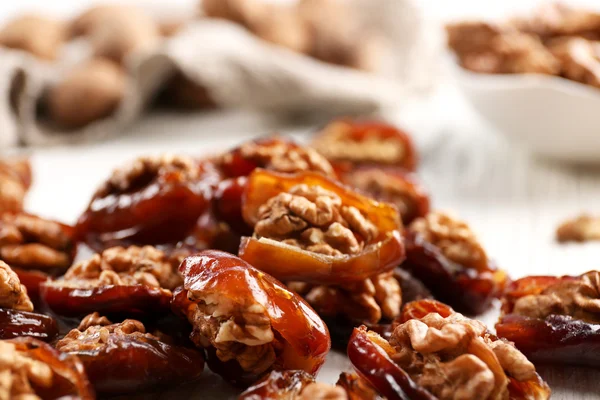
312,229
554,319
436,353
248,322
124,358
348,143
153,200
125,281
444,254
32,369
16,310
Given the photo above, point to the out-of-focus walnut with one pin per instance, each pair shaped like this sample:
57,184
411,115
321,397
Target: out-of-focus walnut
36,34
488,48
314,219
280,156
453,237
116,31
559,19
581,229
30,242
124,266
13,294
145,169
367,301
19,374
334,28
89,92
322,391
94,332
454,357
579,298
580,59
15,179
274,23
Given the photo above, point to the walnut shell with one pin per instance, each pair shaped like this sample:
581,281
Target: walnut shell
89,92
116,31
35,34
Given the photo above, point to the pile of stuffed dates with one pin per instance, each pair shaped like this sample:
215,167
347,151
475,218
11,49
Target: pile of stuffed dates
256,262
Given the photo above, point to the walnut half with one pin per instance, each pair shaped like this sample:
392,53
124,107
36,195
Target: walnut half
124,266
455,358
315,219
581,229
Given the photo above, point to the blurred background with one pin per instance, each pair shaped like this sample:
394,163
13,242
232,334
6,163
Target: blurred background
508,161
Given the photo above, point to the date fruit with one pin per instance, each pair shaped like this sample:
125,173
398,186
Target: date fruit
124,358
435,353
312,229
444,254
248,322
348,143
554,319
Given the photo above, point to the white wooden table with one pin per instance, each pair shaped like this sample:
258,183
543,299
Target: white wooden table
511,199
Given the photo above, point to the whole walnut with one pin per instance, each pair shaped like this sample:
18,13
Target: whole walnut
116,31
278,24
35,34
335,35
89,92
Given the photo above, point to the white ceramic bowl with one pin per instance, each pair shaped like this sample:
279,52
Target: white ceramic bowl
552,116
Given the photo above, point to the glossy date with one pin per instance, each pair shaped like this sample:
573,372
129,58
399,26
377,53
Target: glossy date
275,328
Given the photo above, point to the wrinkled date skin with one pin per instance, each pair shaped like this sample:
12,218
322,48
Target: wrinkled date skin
467,290
289,263
303,336
127,364
227,204
278,385
69,380
347,143
159,208
392,185
556,339
128,301
15,323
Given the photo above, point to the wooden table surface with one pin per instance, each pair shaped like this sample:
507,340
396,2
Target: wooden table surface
513,200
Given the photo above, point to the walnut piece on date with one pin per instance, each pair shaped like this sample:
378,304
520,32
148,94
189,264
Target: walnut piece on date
314,219
581,229
371,300
580,59
579,298
31,242
13,294
241,333
453,237
453,357
18,374
94,330
559,19
133,265
494,48
365,143
143,170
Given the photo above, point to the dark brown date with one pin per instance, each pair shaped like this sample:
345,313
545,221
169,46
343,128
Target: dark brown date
15,323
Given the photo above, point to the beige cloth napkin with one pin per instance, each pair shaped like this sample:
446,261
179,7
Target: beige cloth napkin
239,70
